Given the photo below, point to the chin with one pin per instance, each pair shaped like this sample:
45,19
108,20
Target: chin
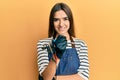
62,34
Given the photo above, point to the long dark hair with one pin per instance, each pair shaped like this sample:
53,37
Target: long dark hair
67,10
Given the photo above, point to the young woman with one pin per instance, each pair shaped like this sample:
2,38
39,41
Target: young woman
61,56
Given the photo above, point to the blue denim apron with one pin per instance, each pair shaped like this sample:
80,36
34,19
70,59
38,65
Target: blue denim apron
69,63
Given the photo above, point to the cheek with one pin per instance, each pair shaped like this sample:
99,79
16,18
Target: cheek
56,23
55,26
68,24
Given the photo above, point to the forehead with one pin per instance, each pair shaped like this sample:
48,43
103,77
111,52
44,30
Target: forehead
60,14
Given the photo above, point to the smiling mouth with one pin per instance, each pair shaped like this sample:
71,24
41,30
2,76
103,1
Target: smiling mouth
61,29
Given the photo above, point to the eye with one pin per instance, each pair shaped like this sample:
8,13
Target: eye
66,18
55,19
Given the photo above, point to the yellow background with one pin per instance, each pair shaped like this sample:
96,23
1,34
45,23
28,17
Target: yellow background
24,22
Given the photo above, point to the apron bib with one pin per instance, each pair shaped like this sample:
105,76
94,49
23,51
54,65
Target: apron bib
69,63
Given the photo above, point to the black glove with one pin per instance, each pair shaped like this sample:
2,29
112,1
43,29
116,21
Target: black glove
59,45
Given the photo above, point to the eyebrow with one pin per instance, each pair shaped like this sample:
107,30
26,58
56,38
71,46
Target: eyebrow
59,18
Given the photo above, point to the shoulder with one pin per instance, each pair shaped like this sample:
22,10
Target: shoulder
44,41
79,41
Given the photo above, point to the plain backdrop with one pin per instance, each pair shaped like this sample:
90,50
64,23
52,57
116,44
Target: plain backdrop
24,22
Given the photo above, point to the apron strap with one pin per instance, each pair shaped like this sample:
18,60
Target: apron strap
73,45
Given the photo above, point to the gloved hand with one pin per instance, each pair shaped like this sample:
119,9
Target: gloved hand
59,45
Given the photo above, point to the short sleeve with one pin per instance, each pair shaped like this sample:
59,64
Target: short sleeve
42,56
82,51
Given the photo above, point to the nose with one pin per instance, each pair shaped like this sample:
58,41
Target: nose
61,23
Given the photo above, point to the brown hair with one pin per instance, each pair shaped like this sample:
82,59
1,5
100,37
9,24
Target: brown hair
67,10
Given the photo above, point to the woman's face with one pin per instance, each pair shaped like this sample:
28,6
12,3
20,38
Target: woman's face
61,22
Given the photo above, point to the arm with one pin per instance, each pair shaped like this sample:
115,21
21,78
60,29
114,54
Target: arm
49,72
47,68
69,77
83,69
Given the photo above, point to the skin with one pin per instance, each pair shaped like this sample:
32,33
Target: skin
61,25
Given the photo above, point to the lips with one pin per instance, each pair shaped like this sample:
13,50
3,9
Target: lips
61,29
